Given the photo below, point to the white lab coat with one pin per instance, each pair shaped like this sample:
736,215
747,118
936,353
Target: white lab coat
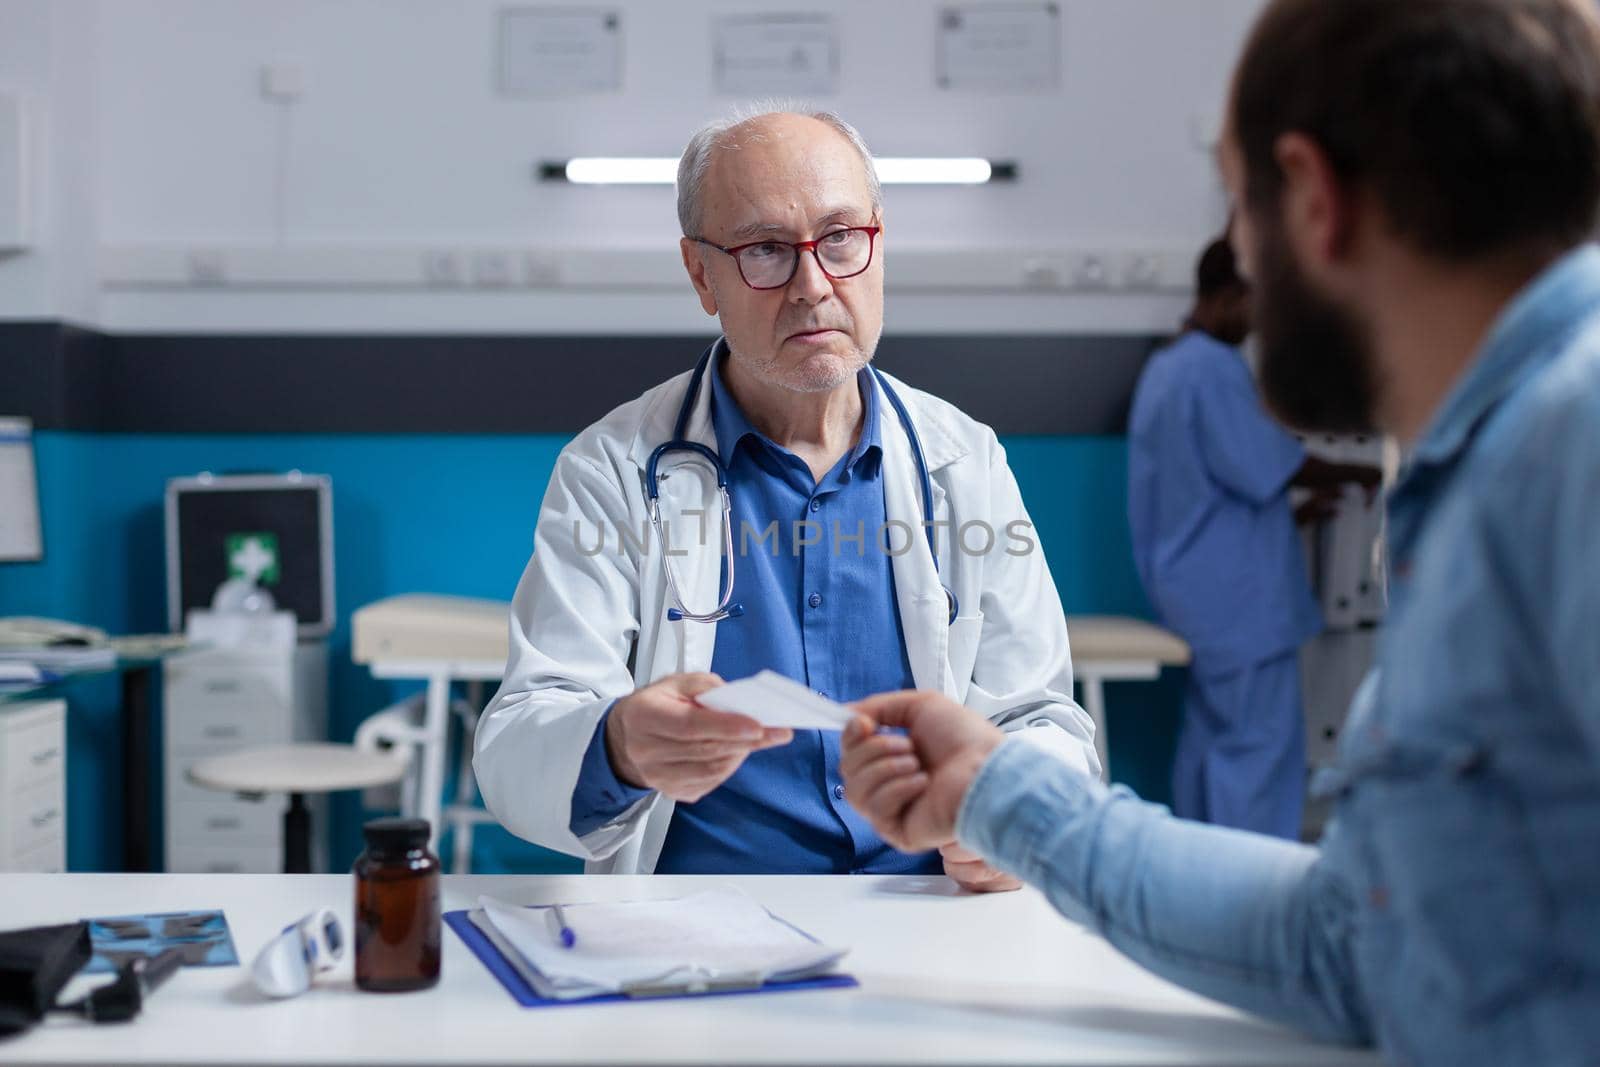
589,628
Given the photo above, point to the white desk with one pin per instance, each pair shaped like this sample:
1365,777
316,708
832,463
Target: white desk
1109,648
944,979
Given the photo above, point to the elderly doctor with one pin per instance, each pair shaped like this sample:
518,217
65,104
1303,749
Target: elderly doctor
870,537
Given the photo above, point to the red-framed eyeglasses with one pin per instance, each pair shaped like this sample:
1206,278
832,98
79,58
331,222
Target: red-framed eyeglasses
841,253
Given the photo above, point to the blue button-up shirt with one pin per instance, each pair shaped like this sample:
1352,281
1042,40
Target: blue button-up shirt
820,608
1452,914
1208,508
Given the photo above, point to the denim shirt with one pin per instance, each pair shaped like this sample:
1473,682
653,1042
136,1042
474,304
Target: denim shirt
1469,778
1452,913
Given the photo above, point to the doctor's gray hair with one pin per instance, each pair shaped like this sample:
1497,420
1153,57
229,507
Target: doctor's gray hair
725,133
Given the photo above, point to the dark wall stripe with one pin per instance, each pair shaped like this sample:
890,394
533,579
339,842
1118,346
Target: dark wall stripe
32,369
68,378
1027,385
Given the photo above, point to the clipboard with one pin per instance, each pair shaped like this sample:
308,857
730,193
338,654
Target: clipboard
491,957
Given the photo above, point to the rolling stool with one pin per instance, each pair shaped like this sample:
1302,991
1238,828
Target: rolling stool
297,770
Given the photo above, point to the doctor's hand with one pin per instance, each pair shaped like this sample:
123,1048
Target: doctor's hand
911,787
968,870
659,738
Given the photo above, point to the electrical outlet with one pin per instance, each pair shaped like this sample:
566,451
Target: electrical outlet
491,270
283,82
1094,272
1143,271
207,266
441,268
1041,274
540,271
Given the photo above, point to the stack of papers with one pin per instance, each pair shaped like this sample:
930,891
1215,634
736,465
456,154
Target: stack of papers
712,941
17,673
147,646
61,657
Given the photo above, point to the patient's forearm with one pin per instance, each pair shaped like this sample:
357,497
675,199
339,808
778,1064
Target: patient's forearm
1249,920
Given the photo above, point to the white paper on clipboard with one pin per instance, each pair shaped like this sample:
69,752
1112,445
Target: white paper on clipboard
21,539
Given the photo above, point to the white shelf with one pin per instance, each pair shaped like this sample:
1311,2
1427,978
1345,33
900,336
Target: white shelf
513,269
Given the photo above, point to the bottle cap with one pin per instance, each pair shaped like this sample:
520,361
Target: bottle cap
392,832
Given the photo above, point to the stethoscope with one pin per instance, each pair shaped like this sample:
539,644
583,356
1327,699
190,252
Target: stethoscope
726,608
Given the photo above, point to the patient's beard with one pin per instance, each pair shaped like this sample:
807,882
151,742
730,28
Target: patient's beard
1318,369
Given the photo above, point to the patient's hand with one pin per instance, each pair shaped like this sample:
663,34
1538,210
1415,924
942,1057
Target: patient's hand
968,870
659,738
911,787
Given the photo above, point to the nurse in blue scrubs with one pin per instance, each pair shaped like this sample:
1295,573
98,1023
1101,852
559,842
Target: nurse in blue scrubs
1215,544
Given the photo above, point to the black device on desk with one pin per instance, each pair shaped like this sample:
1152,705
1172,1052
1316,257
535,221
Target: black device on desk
123,997
34,965
37,963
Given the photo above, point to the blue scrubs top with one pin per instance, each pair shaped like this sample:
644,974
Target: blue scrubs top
1214,538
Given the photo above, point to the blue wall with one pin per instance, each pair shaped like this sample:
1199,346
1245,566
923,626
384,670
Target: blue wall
455,514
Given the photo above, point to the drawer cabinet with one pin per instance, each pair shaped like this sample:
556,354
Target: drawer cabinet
33,785
220,700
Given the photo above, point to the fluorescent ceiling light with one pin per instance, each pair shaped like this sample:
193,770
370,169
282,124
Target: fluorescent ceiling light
933,171
600,170
618,170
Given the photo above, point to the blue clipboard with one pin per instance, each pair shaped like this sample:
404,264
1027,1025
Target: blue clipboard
524,995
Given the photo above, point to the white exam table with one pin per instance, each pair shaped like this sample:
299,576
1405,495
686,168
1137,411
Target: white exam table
437,640
1107,648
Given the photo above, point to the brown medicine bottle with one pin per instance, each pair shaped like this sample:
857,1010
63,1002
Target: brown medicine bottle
397,929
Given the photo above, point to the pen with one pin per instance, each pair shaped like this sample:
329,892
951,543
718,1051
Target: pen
559,927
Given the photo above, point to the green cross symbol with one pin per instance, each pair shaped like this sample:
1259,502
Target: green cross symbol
253,557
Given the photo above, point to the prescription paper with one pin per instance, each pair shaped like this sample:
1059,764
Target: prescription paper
773,700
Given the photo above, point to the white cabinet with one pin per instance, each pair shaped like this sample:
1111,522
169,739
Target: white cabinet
223,699
33,785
